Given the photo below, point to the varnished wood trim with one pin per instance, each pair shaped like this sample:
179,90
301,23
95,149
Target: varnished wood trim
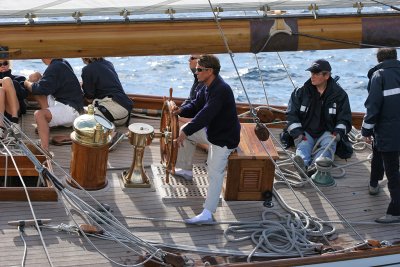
156,102
324,258
177,37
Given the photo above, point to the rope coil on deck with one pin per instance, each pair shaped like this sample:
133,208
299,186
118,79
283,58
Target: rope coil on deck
287,235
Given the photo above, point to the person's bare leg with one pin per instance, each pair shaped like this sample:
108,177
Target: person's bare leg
2,106
42,118
42,101
10,99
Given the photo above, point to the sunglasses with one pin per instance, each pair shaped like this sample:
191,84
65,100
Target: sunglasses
4,63
192,58
322,73
202,69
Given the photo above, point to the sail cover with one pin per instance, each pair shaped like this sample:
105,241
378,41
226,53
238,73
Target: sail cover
20,9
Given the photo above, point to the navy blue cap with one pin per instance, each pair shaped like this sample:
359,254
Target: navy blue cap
320,65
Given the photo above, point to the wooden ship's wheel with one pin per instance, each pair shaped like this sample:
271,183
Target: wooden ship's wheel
169,128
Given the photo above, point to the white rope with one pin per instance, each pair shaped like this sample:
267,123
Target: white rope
278,170
284,235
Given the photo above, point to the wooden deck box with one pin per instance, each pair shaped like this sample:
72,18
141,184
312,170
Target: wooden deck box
12,190
250,169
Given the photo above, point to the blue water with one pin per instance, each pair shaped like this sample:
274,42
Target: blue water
154,75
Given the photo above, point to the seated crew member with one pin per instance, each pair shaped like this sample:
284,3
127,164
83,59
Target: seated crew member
59,95
315,111
12,95
102,87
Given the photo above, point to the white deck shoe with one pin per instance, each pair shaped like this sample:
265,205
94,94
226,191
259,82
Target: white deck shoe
373,190
185,174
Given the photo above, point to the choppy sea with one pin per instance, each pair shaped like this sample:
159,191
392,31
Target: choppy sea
267,78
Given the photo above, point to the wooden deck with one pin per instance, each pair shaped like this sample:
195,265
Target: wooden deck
350,197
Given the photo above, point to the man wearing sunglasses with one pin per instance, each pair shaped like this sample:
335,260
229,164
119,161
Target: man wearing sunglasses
196,85
12,97
215,123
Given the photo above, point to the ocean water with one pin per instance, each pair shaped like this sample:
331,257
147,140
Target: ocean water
281,73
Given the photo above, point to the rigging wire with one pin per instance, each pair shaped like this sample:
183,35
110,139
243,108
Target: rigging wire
109,221
8,125
261,78
252,111
105,220
265,148
284,66
287,72
246,96
391,6
154,254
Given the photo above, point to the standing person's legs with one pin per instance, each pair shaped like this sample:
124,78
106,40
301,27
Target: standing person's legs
186,153
391,165
216,164
377,170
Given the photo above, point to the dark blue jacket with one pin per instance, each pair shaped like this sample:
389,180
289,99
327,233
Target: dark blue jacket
22,93
336,108
59,80
215,109
382,117
99,80
196,87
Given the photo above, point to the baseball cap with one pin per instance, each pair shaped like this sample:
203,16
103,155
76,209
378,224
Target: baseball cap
320,65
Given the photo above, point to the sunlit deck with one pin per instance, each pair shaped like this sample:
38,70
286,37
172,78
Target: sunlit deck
350,197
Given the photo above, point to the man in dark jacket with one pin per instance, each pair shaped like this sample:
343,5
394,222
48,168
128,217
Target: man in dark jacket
382,120
317,112
215,123
59,95
196,86
102,87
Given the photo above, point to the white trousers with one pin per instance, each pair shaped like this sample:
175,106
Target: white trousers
217,160
61,114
